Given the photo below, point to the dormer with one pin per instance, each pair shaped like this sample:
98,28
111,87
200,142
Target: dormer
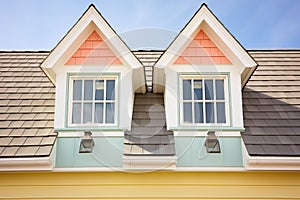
87,67
202,73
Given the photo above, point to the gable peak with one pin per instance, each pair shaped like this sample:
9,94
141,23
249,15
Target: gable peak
205,19
202,50
92,5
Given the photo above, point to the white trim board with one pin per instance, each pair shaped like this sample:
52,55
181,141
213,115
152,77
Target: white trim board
94,134
263,163
26,164
142,170
204,133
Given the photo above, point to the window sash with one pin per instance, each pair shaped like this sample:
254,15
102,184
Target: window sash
109,102
217,102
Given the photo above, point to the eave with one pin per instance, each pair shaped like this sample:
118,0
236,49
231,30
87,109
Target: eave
26,164
270,163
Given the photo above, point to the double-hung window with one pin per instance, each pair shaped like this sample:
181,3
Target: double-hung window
93,101
204,100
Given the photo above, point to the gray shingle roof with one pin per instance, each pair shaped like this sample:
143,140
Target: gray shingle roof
26,105
148,135
271,104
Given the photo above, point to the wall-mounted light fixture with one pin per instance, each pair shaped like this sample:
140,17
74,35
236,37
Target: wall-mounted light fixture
212,143
87,143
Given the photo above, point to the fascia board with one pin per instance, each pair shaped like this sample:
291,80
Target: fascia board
67,41
268,163
50,74
29,163
229,41
119,47
26,164
273,163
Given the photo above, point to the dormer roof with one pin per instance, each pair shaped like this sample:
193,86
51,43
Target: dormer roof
90,24
206,23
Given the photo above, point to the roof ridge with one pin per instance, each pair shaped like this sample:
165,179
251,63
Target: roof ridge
140,50
25,51
273,49
145,50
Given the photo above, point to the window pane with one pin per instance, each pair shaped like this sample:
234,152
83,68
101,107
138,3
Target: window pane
88,89
210,114
198,90
110,112
99,94
220,90
187,112
87,113
99,113
198,112
76,113
221,118
77,89
187,89
209,90
110,89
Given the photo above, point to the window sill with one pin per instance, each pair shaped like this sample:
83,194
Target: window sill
207,128
89,128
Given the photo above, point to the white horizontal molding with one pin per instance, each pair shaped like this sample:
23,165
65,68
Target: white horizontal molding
206,128
153,163
94,133
269,163
273,163
204,133
26,164
210,169
177,169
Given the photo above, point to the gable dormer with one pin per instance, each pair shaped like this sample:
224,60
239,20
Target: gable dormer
94,71
201,74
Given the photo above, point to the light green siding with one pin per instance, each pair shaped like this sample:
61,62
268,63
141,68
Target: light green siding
191,152
107,152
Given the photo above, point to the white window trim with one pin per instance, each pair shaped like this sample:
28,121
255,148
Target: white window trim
70,99
227,100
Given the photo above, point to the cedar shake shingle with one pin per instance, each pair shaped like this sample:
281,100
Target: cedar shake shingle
272,95
24,89
271,101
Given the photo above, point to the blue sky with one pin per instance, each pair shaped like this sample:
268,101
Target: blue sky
257,24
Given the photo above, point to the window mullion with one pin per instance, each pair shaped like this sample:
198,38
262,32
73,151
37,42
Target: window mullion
114,102
104,101
93,101
215,101
193,99
204,101
82,101
70,117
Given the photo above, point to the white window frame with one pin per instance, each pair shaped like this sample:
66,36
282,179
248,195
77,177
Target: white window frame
93,101
226,96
